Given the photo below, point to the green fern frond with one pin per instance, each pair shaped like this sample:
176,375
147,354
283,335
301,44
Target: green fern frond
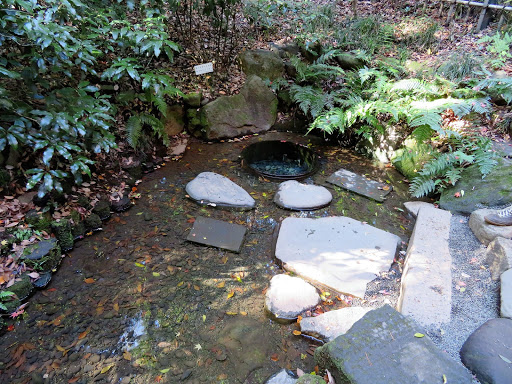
156,125
133,130
409,85
422,186
159,101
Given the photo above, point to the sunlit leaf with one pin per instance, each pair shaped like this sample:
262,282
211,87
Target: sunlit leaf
419,335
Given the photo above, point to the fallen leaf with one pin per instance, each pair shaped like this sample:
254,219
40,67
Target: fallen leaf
127,355
106,369
89,280
419,335
231,294
297,333
505,359
274,357
83,334
221,284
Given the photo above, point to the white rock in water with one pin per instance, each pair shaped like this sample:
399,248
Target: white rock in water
212,189
332,324
506,294
288,296
294,195
339,253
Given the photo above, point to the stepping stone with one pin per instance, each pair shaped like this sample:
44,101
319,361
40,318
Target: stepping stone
488,352
296,196
210,188
413,207
426,291
338,253
381,348
288,296
499,256
284,376
487,232
506,294
217,233
332,324
44,255
360,184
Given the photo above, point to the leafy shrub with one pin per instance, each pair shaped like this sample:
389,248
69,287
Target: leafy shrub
459,66
498,47
367,34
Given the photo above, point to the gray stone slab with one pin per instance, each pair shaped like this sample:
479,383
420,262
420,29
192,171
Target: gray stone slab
488,352
413,207
426,290
217,233
284,376
296,196
335,253
381,348
332,324
360,184
504,148
486,232
289,296
212,189
499,256
506,294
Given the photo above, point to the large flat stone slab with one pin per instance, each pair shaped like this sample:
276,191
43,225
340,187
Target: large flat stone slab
499,256
217,233
413,207
332,324
488,352
484,231
360,184
426,291
289,296
212,189
296,196
506,294
336,253
381,348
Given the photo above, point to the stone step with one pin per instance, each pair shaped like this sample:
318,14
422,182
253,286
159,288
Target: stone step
426,293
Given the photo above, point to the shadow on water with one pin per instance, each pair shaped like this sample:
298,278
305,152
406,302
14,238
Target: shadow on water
161,309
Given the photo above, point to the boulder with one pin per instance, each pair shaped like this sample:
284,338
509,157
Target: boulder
253,110
285,49
381,146
486,232
43,256
506,294
288,296
212,189
193,99
332,324
349,61
383,347
102,209
262,63
63,233
174,121
411,158
488,352
492,191
499,256
296,196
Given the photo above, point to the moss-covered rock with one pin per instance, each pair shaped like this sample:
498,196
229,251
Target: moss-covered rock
62,231
349,61
193,99
174,121
133,168
494,190
102,209
77,225
411,158
262,63
22,288
253,110
44,256
92,222
310,379
84,202
39,221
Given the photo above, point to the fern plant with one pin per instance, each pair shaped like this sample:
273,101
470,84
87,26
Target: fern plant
4,296
134,127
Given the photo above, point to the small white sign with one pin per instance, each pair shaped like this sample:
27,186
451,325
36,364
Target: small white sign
203,68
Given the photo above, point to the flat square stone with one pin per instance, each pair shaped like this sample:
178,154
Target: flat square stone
217,233
360,185
337,253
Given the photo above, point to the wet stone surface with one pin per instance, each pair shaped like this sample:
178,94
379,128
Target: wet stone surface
360,184
217,233
195,306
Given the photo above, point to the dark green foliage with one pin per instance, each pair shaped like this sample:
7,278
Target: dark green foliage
459,66
5,296
92,222
367,34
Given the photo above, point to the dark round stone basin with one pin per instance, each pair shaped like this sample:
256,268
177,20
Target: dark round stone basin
280,160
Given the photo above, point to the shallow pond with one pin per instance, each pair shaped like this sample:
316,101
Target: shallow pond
161,309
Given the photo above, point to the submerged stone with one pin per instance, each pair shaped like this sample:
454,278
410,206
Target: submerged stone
382,348
217,233
212,189
296,196
288,296
360,184
284,376
339,253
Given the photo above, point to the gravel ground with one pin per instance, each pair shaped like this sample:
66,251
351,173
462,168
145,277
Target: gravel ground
475,297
